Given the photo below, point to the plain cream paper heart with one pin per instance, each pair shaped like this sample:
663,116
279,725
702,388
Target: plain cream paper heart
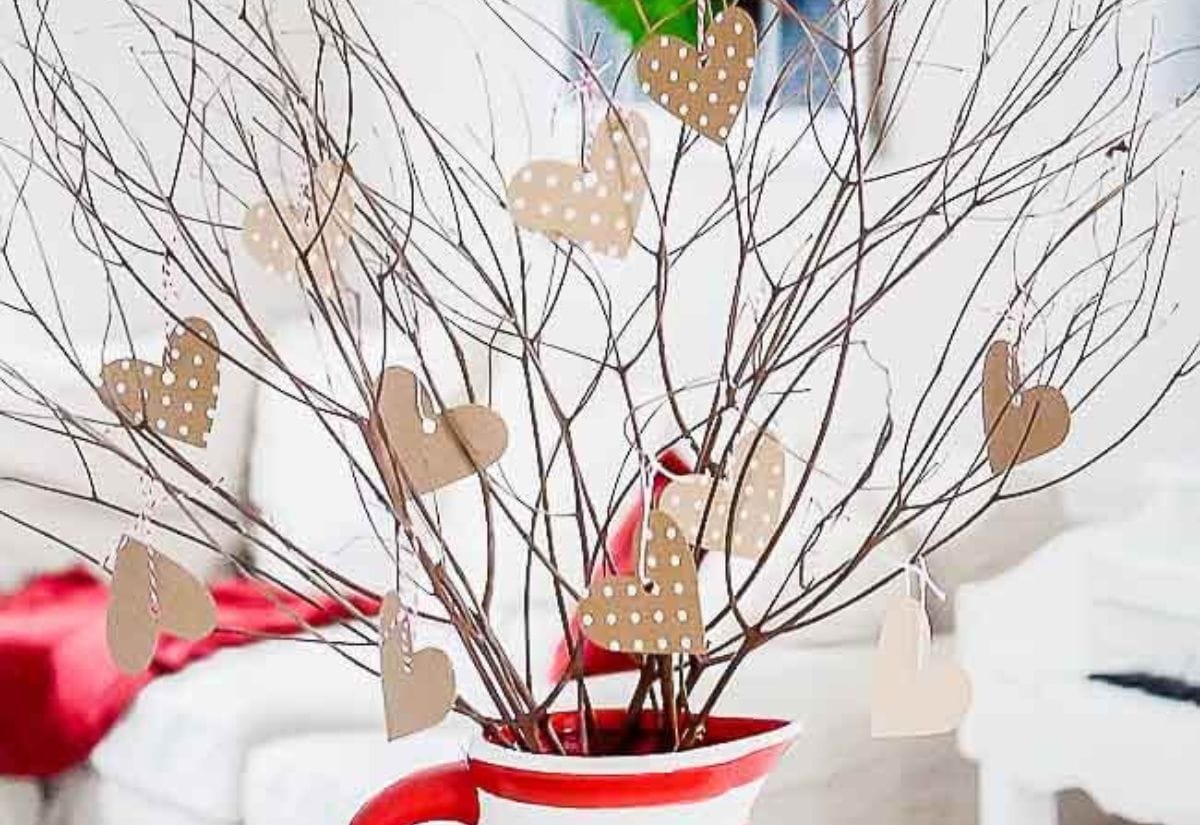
914,694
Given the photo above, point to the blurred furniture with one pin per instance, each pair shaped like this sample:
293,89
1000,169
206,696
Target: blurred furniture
1118,598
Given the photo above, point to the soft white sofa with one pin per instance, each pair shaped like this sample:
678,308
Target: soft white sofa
1109,597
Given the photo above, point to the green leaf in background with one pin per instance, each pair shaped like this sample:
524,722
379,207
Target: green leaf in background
673,17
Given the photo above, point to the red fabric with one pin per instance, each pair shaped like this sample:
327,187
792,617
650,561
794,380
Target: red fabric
60,691
595,660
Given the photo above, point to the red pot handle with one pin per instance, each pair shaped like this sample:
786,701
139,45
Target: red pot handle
444,793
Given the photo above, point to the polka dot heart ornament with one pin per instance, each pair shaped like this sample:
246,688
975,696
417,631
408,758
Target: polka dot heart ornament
151,593
596,207
1020,424
705,89
177,399
660,615
756,505
275,233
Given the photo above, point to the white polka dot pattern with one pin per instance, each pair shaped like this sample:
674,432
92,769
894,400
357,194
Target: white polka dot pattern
276,233
177,400
704,89
756,504
596,207
659,616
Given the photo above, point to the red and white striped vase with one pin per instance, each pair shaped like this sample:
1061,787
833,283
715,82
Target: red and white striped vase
713,785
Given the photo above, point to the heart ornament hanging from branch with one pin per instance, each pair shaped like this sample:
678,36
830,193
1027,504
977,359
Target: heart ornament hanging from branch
276,233
660,615
758,462
705,89
418,687
151,593
1020,424
913,693
598,206
430,450
177,398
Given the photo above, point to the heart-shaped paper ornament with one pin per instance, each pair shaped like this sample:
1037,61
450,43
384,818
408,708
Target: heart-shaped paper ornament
1020,424
759,501
704,89
660,615
151,593
433,450
418,688
177,399
596,207
276,233
914,694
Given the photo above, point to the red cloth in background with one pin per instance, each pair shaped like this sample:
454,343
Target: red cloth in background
59,689
597,661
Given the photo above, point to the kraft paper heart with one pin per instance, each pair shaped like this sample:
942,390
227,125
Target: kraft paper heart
660,615
759,501
706,89
914,694
596,207
418,688
151,593
276,233
177,399
432,450
1021,424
